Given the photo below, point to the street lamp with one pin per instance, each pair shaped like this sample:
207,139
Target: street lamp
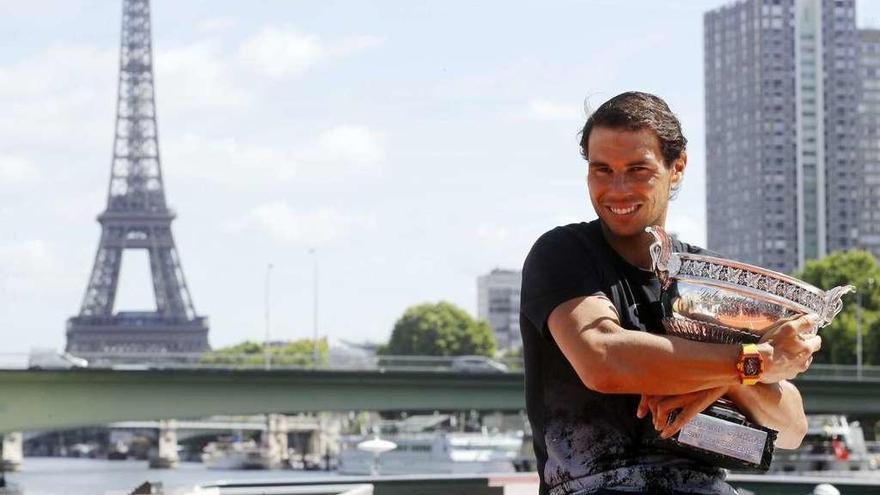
315,353
266,357
869,285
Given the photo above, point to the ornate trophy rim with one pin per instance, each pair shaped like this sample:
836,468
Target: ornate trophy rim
740,277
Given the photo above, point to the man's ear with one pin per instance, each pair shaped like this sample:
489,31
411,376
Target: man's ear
678,167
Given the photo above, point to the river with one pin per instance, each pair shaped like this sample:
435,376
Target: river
68,476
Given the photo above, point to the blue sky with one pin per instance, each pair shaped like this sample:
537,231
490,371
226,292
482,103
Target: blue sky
414,145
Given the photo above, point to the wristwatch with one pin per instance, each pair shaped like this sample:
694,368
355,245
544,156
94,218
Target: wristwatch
750,365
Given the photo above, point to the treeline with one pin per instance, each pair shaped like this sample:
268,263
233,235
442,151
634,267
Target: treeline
858,268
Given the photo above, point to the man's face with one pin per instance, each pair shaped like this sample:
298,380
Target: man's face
628,181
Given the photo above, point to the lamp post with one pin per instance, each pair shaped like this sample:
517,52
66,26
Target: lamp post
266,356
869,285
315,353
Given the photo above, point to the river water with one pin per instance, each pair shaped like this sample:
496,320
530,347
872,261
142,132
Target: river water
67,476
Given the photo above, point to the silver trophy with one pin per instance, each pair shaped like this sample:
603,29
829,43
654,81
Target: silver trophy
716,300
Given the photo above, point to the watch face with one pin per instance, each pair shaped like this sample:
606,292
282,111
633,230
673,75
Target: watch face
751,366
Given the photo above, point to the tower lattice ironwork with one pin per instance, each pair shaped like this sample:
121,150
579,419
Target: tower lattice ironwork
136,217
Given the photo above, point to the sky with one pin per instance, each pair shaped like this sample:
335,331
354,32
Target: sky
413,146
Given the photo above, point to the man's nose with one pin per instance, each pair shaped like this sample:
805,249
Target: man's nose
618,182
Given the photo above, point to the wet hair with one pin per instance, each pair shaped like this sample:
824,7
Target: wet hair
634,111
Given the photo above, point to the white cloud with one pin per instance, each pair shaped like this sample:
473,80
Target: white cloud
228,161
687,226
336,153
198,75
216,24
359,146
547,110
493,233
59,69
300,228
281,53
15,170
504,245
29,266
355,44
284,52
50,100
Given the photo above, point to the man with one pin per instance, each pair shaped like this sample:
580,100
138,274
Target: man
600,373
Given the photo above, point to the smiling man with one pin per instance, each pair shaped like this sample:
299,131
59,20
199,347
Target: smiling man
600,373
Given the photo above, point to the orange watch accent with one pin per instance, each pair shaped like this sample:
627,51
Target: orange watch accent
750,365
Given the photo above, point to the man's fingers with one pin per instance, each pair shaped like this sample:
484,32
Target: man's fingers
667,406
814,343
691,409
806,364
681,419
643,407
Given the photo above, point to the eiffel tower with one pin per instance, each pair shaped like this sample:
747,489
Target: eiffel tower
136,217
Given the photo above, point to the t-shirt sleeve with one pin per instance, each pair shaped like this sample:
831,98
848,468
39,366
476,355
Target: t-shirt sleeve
558,268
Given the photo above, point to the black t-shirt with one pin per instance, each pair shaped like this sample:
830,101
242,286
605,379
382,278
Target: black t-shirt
584,440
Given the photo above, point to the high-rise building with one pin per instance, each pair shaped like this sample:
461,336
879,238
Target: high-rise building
781,81
869,138
498,303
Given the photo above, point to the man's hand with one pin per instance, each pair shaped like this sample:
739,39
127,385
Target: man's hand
788,349
686,405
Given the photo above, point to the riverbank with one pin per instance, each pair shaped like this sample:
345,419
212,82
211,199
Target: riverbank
70,476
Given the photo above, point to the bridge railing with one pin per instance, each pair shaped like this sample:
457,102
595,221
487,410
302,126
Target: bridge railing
847,372
257,361
143,361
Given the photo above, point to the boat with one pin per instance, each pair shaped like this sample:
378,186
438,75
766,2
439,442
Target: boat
424,447
118,451
235,454
437,453
832,444
8,487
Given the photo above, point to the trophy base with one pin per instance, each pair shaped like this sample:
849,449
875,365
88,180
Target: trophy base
721,436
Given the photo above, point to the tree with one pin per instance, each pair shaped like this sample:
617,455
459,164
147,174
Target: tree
857,268
293,353
441,329
513,358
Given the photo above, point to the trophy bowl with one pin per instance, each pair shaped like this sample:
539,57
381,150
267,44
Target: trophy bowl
716,300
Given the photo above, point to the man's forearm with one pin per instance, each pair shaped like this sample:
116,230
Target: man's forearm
613,360
640,362
777,405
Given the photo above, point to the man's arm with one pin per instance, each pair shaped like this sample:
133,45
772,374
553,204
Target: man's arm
774,405
611,359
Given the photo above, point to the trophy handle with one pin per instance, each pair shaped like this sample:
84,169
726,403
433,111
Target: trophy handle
665,262
833,303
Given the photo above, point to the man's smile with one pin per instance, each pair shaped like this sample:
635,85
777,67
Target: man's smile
623,210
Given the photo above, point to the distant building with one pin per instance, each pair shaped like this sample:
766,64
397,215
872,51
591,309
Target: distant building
498,303
783,175
869,138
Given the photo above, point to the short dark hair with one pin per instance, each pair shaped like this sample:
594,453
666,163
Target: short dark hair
634,111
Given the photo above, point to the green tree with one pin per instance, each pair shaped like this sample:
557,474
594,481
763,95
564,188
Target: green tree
857,268
293,353
513,358
441,329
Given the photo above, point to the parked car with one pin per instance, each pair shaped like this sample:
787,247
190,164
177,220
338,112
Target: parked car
51,359
477,364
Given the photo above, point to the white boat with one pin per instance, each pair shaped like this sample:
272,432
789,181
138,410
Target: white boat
831,444
231,454
433,453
